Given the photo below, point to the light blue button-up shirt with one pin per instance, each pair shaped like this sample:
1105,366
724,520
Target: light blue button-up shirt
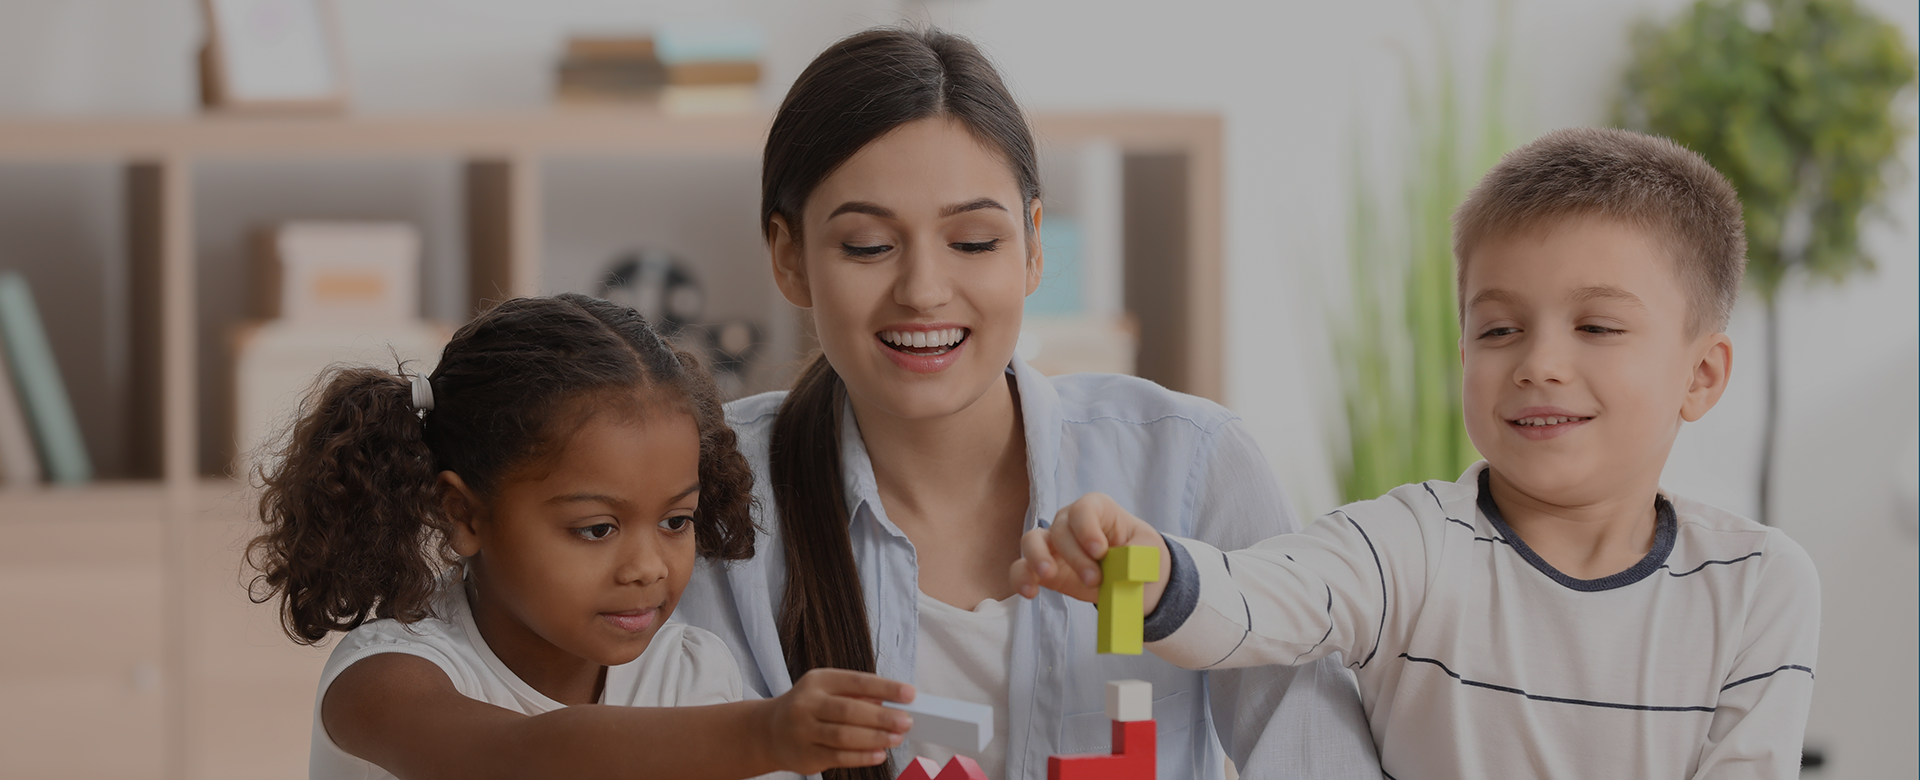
1184,464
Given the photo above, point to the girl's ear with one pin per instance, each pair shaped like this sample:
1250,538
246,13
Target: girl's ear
789,263
1036,254
463,512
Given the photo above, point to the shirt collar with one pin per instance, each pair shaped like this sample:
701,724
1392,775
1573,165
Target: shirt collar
1040,416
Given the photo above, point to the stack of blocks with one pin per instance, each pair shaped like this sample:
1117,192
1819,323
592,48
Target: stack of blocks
1130,707
1124,575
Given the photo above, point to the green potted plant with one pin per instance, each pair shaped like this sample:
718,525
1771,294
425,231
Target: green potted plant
1801,104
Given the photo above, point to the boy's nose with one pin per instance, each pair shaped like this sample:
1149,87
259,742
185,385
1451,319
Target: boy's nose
1543,363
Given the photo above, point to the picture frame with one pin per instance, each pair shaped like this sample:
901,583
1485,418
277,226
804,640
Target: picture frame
272,56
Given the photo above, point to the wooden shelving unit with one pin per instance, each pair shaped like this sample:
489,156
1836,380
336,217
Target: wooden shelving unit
1172,248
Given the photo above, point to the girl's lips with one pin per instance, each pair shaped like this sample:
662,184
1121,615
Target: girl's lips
924,363
634,621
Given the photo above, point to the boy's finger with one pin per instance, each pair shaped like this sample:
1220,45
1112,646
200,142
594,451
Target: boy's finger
1079,538
1037,553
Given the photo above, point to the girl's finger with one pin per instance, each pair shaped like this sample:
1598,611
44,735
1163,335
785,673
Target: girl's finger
834,736
854,712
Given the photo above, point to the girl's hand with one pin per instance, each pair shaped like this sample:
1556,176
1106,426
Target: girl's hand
832,718
1066,556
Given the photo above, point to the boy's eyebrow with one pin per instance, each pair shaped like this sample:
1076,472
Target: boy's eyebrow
1607,292
1491,295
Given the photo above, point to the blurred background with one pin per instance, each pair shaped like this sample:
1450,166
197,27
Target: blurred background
1246,201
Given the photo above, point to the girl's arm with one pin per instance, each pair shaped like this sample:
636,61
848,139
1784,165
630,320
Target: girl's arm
402,713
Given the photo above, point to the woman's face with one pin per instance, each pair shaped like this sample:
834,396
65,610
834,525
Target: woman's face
915,260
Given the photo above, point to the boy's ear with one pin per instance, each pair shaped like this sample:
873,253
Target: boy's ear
1036,254
462,508
789,263
1711,371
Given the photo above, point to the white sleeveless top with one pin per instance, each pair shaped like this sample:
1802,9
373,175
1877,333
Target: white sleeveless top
682,666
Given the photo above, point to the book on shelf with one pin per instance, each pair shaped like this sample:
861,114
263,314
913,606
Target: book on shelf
56,431
680,73
18,463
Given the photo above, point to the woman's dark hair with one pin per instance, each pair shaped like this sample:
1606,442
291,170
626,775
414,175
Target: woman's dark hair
354,526
856,91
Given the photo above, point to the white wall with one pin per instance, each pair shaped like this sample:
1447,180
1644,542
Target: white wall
1296,83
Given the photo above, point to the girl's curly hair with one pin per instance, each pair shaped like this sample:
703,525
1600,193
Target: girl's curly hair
354,529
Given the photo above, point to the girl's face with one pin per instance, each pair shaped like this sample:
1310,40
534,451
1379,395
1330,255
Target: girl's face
915,259
588,549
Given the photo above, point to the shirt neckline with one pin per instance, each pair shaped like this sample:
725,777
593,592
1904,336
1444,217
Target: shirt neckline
1664,531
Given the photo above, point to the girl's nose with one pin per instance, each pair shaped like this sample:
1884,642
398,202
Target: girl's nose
643,563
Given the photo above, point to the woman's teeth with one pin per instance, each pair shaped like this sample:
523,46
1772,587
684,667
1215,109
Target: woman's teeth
1535,422
945,338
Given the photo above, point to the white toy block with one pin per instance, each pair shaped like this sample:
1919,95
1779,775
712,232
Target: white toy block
962,725
1129,700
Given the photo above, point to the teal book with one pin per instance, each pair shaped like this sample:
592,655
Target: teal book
37,377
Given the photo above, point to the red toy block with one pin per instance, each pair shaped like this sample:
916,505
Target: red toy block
1133,757
957,768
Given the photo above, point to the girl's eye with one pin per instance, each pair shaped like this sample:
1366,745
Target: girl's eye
594,533
677,523
873,250
977,247
1494,333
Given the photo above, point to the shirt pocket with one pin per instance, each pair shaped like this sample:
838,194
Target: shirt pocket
1091,732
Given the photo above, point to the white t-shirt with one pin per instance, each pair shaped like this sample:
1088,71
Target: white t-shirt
964,654
1477,659
683,666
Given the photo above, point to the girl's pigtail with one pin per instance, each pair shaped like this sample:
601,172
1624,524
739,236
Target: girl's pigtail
353,524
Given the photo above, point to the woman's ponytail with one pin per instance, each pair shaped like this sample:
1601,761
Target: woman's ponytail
353,525
823,616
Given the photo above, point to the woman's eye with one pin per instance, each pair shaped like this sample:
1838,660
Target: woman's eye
870,250
977,247
677,523
595,532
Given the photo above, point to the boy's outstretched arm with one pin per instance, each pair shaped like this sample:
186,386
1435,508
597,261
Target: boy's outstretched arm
1287,600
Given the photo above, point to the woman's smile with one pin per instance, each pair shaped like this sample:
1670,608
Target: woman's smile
924,349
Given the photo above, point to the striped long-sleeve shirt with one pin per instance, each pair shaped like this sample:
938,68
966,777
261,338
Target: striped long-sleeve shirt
1477,659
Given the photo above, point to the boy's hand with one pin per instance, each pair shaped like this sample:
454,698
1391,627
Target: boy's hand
1066,556
832,718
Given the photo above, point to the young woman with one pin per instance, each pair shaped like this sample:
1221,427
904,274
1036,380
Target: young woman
900,201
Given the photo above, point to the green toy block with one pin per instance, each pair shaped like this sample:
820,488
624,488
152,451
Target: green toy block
1123,577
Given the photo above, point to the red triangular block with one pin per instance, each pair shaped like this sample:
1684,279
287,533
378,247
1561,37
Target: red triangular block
957,768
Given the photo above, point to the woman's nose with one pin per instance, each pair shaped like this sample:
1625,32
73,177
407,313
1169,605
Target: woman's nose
924,283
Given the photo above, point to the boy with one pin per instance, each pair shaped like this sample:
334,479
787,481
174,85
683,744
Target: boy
1553,613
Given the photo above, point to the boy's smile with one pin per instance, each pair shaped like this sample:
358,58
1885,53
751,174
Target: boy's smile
1578,363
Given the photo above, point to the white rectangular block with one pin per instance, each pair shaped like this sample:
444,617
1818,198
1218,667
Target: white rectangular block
1129,700
953,723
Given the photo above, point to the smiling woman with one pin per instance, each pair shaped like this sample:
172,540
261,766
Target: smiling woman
901,206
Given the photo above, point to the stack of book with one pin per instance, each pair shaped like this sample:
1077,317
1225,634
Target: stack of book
680,72
39,434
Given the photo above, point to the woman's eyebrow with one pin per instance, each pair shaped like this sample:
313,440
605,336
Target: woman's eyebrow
862,207
972,205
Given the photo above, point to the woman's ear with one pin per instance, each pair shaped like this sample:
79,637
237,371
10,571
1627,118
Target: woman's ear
789,263
1036,254
462,509
1711,371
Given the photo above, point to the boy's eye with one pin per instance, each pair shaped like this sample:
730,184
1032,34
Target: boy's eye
1494,333
870,250
1599,329
595,533
677,523
977,247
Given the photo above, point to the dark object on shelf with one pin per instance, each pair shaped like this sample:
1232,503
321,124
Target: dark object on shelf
1812,758
657,285
734,344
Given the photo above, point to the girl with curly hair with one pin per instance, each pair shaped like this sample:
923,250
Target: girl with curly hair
503,543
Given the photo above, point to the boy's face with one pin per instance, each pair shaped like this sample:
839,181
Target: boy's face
1577,362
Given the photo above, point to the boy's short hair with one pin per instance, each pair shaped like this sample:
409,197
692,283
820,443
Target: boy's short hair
1645,181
